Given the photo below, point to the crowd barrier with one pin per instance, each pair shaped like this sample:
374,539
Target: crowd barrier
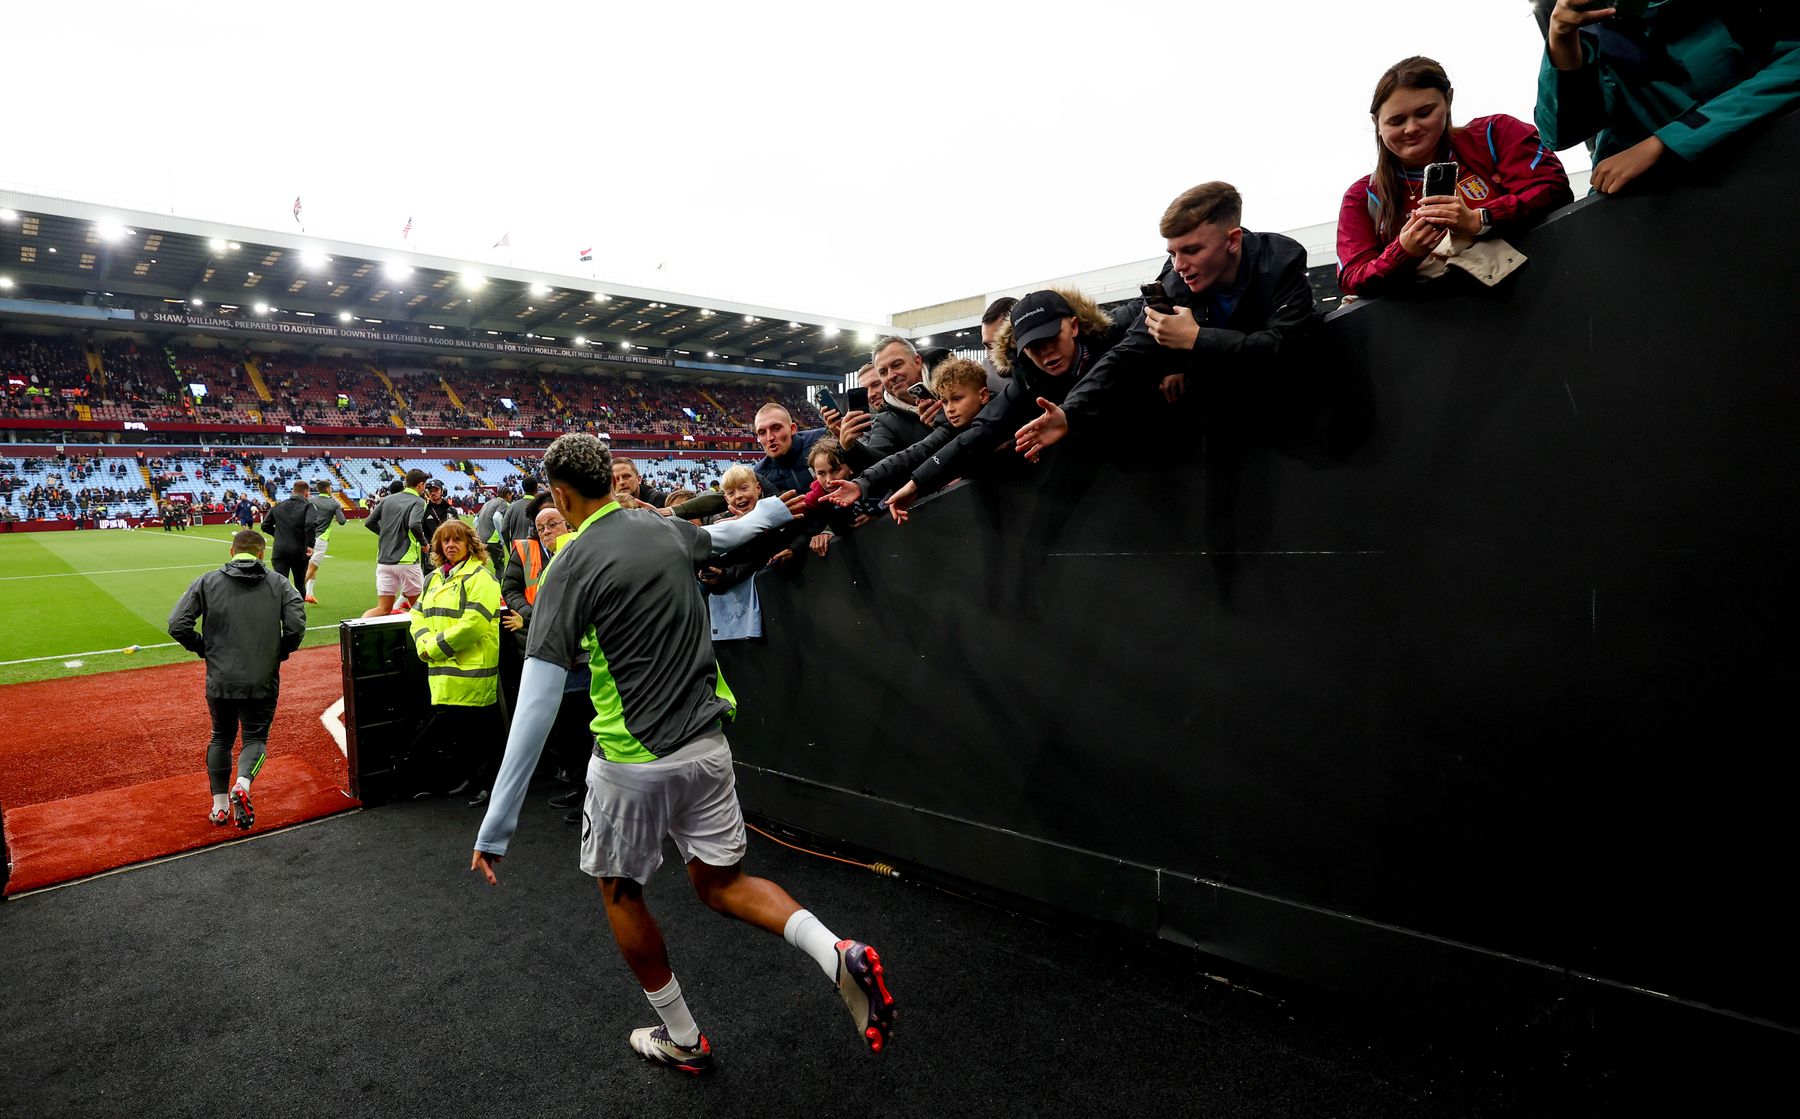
1451,674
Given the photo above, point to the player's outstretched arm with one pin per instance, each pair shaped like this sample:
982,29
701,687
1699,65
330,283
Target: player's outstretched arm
540,694
770,512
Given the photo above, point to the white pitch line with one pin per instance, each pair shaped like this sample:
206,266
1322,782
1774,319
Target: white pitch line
197,538
104,652
333,718
111,571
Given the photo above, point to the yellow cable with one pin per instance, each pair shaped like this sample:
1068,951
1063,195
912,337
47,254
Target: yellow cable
882,869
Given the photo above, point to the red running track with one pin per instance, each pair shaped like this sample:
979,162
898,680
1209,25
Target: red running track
98,772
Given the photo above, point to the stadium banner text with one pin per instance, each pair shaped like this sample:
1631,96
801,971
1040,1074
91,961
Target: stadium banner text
323,430
364,334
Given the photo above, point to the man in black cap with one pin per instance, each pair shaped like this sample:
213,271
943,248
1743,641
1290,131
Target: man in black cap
1051,340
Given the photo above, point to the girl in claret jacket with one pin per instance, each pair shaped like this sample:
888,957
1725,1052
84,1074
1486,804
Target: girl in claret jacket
1506,180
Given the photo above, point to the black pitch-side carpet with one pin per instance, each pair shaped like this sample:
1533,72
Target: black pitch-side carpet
356,967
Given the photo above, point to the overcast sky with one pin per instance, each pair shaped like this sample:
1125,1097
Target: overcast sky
813,157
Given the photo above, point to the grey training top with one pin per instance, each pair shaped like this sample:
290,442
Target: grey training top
622,598
398,519
326,512
484,521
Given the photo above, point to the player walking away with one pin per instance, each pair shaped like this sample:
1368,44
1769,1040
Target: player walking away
328,511
250,620
620,595
398,521
291,523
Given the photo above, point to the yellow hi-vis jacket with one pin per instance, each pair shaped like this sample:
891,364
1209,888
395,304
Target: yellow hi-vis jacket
456,632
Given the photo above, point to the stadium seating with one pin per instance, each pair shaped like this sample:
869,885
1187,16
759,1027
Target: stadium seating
63,486
48,377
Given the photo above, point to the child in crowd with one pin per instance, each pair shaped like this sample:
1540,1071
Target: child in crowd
962,385
730,587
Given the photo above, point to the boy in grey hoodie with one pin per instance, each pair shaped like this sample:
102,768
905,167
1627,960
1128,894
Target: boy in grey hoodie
250,620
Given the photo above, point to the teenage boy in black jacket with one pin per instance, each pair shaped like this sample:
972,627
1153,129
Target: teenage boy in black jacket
1239,302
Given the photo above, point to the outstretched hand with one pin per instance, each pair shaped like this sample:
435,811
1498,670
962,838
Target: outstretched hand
845,493
485,863
1044,432
902,500
796,504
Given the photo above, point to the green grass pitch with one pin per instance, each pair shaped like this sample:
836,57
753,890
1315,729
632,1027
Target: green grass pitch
71,602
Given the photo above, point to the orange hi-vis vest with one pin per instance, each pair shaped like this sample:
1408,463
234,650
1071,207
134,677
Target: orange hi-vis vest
531,558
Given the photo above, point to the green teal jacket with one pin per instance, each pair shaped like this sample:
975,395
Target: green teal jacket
1682,74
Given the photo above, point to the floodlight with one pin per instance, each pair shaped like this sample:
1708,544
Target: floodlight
197,301
539,290
343,316
925,341
216,244
312,260
261,308
9,215
624,345
395,270
580,341
830,332
473,281
5,282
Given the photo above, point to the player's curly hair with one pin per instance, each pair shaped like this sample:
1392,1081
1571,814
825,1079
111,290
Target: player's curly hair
581,462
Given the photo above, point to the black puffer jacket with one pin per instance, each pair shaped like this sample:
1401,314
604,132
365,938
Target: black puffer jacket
251,619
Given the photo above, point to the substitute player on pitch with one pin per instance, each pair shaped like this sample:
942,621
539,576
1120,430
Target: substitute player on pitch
620,595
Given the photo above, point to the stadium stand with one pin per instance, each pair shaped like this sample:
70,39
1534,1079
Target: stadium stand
145,379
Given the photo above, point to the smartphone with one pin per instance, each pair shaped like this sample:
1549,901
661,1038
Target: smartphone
920,393
858,399
1156,298
826,400
1440,178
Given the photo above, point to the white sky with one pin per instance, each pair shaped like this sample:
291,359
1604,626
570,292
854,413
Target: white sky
845,159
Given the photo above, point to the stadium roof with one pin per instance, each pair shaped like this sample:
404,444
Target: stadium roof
70,251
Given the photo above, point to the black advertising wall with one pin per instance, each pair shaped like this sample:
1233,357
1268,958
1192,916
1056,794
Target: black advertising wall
1456,672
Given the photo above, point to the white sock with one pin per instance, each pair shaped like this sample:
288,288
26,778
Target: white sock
675,1014
221,802
309,587
807,933
244,783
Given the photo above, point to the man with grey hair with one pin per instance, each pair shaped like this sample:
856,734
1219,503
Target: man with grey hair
620,596
903,419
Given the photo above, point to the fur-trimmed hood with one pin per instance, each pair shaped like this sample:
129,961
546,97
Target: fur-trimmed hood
1094,323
